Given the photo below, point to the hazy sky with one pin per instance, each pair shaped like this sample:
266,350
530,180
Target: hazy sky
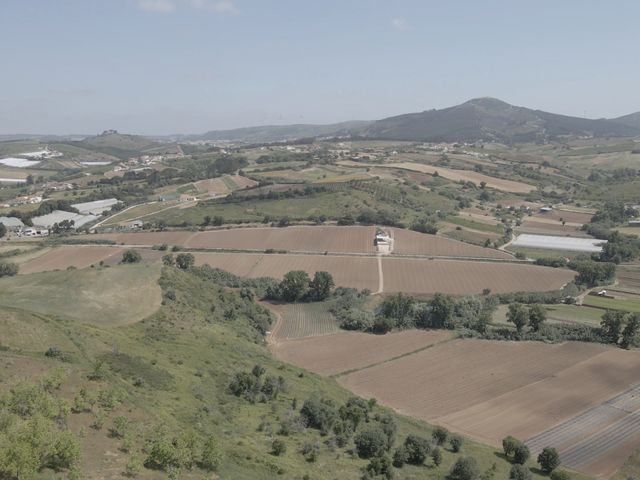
188,66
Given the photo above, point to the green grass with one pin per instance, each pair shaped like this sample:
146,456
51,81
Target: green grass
558,313
483,227
536,253
102,296
182,358
627,304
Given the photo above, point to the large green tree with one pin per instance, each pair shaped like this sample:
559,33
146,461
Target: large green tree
321,285
294,285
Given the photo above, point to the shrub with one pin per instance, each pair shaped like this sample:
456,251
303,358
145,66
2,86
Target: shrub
456,443
131,256
465,468
417,449
379,466
440,435
8,269
278,447
560,475
320,414
436,456
509,445
185,261
520,472
399,457
210,457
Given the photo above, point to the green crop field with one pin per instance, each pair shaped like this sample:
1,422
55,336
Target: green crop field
630,304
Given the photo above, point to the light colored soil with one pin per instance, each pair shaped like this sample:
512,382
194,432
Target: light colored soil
356,272
567,215
300,320
63,257
212,186
178,237
467,176
409,242
421,276
309,239
243,182
345,351
546,228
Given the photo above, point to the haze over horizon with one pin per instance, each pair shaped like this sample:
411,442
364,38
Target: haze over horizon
189,66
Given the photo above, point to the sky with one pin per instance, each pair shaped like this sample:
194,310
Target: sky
189,66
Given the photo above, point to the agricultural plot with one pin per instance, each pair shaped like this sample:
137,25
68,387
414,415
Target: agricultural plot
299,320
489,390
408,242
422,276
347,351
569,216
629,277
628,303
309,239
465,176
550,228
178,237
72,256
356,272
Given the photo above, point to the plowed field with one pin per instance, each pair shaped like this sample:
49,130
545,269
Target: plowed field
76,256
421,276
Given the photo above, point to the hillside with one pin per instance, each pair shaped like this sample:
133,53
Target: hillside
122,146
157,396
631,120
276,133
486,119
489,119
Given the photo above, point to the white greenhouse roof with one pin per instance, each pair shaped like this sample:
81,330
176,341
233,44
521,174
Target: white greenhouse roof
559,243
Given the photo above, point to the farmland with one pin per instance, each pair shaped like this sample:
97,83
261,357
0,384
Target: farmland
629,303
629,277
463,175
495,389
346,351
300,320
421,276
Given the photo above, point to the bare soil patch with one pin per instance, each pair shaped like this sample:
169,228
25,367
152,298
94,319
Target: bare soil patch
307,239
408,242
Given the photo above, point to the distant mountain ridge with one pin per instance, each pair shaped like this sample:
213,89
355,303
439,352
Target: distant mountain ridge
479,119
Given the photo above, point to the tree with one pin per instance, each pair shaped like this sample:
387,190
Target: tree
319,413
8,269
630,332
465,468
441,310
521,453
294,285
379,466
168,260
440,435
321,285
549,459
611,325
399,457
519,472
537,316
518,315
398,307
509,445
371,442
131,256
185,261
3,230
417,449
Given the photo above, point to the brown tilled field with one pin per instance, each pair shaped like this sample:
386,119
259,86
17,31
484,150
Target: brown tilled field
550,228
570,396
422,276
566,215
408,242
73,256
309,239
345,351
348,271
629,277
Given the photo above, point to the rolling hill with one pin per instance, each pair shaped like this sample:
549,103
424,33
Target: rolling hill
631,120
